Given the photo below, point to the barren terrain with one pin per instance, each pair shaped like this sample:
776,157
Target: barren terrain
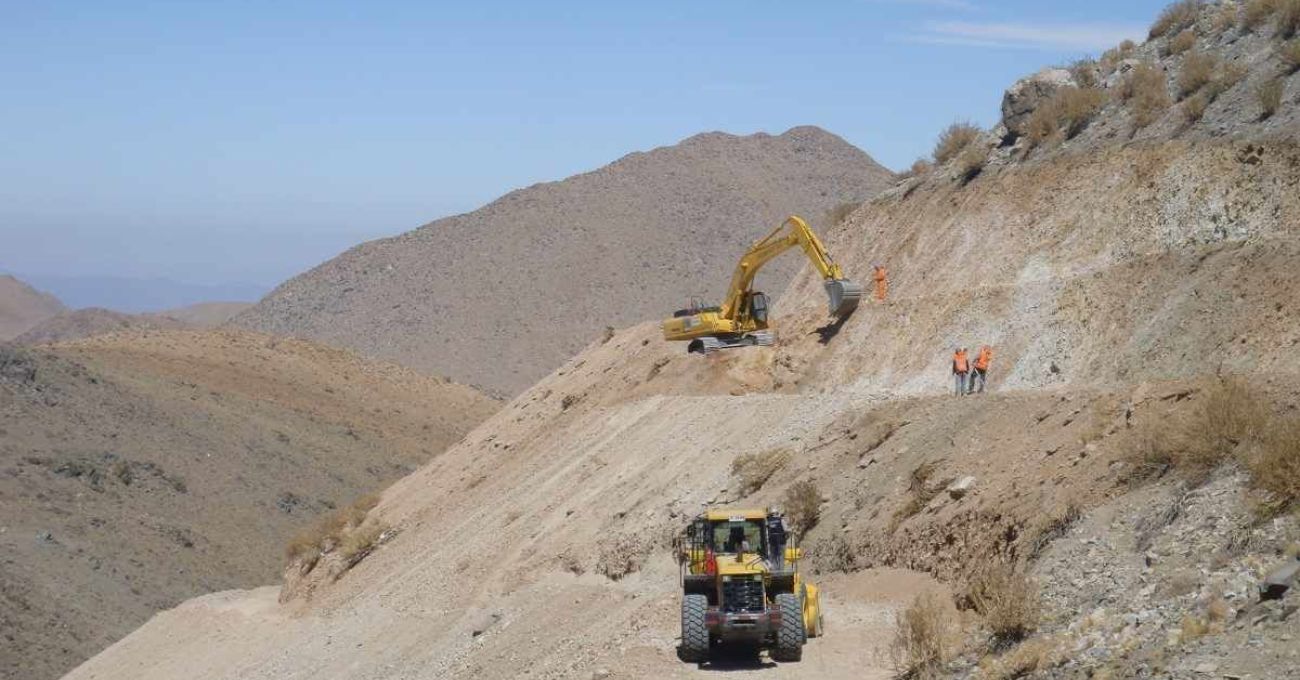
139,469
22,307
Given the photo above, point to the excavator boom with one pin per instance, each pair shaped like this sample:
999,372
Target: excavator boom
741,319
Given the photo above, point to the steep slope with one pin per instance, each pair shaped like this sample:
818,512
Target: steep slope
22,307
1117,273
500,296
137,470
92,321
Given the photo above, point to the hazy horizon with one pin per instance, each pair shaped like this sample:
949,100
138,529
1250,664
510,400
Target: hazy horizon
245,143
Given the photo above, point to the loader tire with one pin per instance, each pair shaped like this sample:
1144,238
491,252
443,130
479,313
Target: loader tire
695,635
790,637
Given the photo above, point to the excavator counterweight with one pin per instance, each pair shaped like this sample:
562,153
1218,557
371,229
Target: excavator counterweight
742,318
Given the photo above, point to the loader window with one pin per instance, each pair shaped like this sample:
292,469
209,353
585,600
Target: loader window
728,536
758,307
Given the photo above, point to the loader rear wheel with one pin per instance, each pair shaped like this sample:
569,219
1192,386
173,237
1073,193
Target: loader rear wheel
790,637
695,635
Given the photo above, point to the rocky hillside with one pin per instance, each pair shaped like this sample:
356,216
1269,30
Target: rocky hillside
1107,510
208,314
501,296
137,470
91,321
22,307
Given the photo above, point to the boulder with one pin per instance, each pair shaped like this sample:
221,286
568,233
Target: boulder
1022,99
1281,579
961,487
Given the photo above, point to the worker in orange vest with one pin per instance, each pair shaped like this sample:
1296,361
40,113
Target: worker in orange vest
882,283
960,368
980,374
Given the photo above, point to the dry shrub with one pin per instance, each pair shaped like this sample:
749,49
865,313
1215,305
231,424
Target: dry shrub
1034,655
754,469
1274,466
1176,17
1197,72
1008,601
1146,93
1066,114
1289,53
971,161
1256,12
803,505
1192,628
1194,107
360,541
1196,443
954,140
1269,96
919,494
1225,79
919,167
1084,73
924,637
1226,18
330,532
1288,18
1181,43
1111,58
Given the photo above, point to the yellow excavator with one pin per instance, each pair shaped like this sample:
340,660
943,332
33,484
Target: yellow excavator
742,319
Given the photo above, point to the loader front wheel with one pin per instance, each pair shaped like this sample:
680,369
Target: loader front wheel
695,635
790,637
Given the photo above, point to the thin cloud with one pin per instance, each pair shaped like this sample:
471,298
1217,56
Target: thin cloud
946,4
1079,37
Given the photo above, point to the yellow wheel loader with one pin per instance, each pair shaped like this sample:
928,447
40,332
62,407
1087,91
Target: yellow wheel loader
742,319
741,585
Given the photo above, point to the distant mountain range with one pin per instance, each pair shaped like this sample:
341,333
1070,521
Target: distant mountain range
135,295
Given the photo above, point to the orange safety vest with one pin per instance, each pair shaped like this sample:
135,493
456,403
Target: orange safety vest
985,356
959,364
880,273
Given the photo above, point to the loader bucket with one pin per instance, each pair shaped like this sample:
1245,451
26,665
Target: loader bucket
844,296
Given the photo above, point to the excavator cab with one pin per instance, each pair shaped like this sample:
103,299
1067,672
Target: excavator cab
758,307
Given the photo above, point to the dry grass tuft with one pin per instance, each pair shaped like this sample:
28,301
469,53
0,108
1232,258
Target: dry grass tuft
971,162
1181,43
754,469
1066,114
1111,58
918,168
1192,628
1008,601
1288,18
1289,53
803,505
1256,12
1194,107
359,542
1176,17
1269,96
954,140
1274,466
924,638
330,532
1085,72
1146,93
919,494
1031,656
1197,72
1226,18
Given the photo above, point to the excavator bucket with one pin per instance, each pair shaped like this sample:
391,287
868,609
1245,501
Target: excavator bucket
845,296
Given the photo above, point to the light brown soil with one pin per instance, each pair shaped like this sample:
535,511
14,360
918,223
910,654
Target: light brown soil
137,470
92,321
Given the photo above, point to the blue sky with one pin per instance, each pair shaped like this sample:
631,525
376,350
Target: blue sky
245,141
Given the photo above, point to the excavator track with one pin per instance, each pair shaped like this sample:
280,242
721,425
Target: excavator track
711,344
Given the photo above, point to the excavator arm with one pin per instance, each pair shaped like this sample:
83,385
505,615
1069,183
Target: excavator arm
741,319
844,297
